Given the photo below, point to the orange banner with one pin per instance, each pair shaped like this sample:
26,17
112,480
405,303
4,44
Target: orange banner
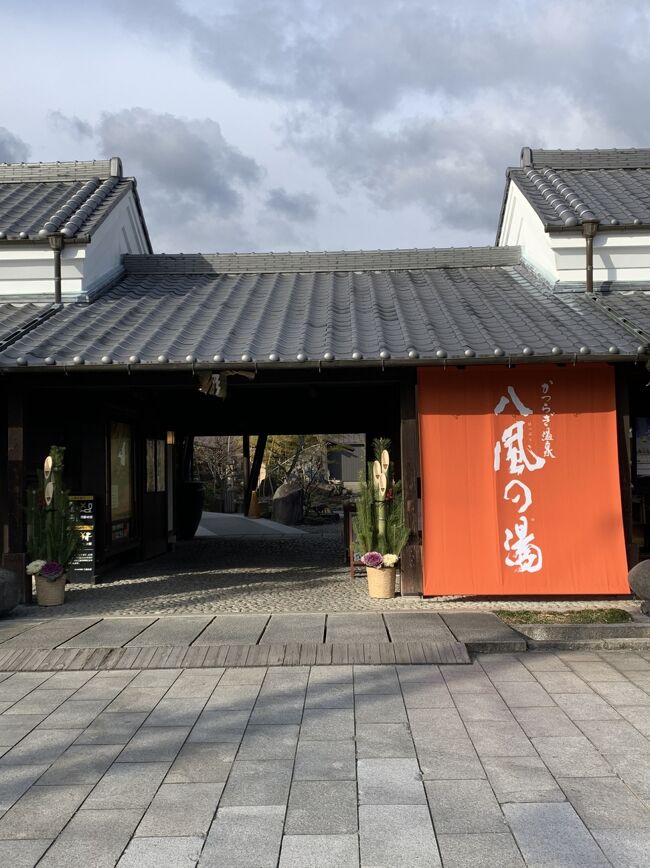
520,481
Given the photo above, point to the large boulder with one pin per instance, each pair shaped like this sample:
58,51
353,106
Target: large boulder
9,591
639,579
288,504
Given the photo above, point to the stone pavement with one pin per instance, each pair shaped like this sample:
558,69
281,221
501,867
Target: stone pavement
517,760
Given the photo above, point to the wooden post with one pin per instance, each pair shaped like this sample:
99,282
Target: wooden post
15,557
625,461
254,474
411,557
246,453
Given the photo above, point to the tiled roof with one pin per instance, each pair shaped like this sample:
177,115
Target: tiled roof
216,316
568,187
37,199
15,319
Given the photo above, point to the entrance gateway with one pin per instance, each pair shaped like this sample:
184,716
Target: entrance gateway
508,391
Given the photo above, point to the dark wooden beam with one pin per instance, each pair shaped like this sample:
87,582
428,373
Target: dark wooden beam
254,475
625,460
411,557
246,453
15,556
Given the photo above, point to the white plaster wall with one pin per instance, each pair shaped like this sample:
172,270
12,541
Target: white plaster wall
121,232
523,228
29,271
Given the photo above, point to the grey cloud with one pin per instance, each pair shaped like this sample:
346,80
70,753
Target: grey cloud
70,124
292,206
12,148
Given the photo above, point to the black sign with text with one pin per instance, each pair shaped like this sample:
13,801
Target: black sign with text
82,568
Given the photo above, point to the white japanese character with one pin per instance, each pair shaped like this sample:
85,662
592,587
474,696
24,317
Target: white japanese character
516,400
527,558
524,491
513,441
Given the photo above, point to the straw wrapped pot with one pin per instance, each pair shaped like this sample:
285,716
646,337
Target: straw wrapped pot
50,593
381,583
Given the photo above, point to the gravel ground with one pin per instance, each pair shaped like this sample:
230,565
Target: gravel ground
257,574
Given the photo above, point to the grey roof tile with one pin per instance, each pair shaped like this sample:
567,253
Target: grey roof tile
15,319
458,312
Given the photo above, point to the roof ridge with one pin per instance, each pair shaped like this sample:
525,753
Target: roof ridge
78,170
313,261
593,158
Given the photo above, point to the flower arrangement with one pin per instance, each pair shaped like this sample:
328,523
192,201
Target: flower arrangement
51,570
377,560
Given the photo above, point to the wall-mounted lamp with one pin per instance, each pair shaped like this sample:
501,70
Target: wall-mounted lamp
171,438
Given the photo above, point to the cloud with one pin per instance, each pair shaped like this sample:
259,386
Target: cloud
292,206
70,124
12,148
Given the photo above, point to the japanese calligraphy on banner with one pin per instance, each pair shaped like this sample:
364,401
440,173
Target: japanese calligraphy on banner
520,481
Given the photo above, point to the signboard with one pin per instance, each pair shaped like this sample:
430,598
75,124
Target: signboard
643,446
520,481
82,569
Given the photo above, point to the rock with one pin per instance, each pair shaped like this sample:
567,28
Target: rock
288,504
639,579
9,591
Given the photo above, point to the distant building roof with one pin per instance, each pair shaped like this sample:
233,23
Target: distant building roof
291,310
568,187
39,199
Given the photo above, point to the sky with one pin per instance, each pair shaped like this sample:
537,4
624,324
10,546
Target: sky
320,124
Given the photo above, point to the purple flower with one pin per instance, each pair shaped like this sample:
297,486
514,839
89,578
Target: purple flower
373,559
52,570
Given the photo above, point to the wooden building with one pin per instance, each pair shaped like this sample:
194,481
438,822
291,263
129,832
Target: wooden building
511,377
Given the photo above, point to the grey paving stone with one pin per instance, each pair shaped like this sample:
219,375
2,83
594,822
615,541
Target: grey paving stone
258,782
155,744
94,838
540,661
127,786
419,674
294,628
417,627
445,723
330,675
322,808
384,740
379,708
355,627
156,678
238,696
481,851
214,726
634,769
113,728
499,738
109,633
50,634
504,667
626,661
563,682
16,780
81,764
579,706
482,706
15,627
67,680
22,854
15,727
625,848
467,679
329,696
192,685
614,736
479,626
518,694
545,721
180,810
74,714
202,763
393,835
376,679
390,782
449,763
419,694
464,807
571,757
521,779
40,746
159,852
277,709
553,834
269,742
325,760
605,803
40,701
245,837
327,724
176,712
285,679
243,675
179,630
103,688
637,715
133,699
233,630
315,851
621,693
21,683
42,812
596,672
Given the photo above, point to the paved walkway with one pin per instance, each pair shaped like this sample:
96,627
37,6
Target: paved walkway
531,760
